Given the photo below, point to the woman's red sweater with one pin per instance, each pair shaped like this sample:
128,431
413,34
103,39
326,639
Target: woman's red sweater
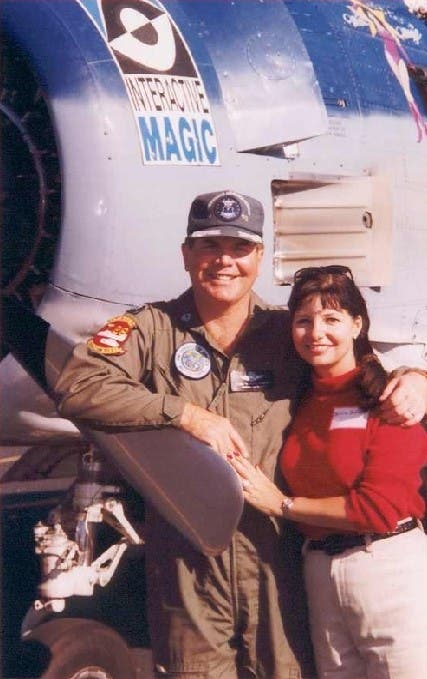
336,449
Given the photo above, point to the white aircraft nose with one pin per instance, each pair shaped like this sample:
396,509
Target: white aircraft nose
28,415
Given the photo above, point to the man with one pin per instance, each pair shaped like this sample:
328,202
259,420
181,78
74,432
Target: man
216,363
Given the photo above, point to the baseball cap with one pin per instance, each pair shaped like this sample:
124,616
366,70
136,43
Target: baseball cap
226,213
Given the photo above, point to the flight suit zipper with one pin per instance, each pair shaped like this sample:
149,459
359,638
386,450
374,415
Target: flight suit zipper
232,549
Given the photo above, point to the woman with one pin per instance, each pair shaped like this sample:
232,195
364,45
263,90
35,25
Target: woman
354,491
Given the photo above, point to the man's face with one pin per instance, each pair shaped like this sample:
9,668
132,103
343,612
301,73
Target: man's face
222,268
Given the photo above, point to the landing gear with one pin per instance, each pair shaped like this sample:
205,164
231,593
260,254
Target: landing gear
80,649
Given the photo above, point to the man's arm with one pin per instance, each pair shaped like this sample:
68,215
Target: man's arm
404,400
104,391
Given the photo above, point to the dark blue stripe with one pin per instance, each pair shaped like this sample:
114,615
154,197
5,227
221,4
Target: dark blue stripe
66,50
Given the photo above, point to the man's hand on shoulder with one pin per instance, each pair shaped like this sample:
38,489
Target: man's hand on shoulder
216,431
404,400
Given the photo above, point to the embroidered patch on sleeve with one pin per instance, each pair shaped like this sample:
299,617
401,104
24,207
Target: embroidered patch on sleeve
112,336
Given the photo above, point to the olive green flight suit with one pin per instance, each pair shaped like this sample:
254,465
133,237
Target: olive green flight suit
246,608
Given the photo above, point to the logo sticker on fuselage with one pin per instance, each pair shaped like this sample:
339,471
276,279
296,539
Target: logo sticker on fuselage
164,86
192,360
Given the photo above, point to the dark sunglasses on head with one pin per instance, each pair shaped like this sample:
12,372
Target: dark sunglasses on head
312,271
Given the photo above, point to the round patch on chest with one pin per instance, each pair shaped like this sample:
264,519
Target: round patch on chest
192,360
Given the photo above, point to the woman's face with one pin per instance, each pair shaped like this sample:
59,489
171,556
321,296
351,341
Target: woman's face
324,337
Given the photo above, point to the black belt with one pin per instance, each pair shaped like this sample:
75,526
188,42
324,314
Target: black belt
337,543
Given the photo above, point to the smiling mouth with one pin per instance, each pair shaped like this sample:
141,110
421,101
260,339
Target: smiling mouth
221,277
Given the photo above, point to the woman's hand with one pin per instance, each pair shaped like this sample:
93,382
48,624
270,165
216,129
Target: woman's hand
261,493
258,490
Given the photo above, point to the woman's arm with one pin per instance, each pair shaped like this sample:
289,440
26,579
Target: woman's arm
387,491
262,494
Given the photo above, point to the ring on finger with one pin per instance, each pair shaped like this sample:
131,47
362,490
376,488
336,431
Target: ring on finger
246,484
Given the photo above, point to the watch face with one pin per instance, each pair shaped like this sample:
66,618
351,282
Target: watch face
287,503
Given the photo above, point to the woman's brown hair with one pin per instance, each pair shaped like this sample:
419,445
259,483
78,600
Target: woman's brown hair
336,289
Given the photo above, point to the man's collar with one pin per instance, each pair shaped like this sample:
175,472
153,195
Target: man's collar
187,316
185,312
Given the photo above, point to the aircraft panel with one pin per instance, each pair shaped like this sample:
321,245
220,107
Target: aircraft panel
266,76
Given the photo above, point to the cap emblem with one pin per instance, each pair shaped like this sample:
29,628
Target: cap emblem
227,208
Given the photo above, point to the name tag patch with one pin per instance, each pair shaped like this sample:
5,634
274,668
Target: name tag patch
349,417
252,380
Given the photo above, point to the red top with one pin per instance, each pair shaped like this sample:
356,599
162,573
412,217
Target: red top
335,449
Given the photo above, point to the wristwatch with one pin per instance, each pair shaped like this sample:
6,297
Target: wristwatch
286,505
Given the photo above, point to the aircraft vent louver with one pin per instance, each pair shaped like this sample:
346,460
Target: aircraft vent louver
345,221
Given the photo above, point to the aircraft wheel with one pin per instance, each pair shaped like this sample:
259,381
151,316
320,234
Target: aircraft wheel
83,649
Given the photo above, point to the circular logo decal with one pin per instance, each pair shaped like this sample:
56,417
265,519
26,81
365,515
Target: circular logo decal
192,360
227,208
145,39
